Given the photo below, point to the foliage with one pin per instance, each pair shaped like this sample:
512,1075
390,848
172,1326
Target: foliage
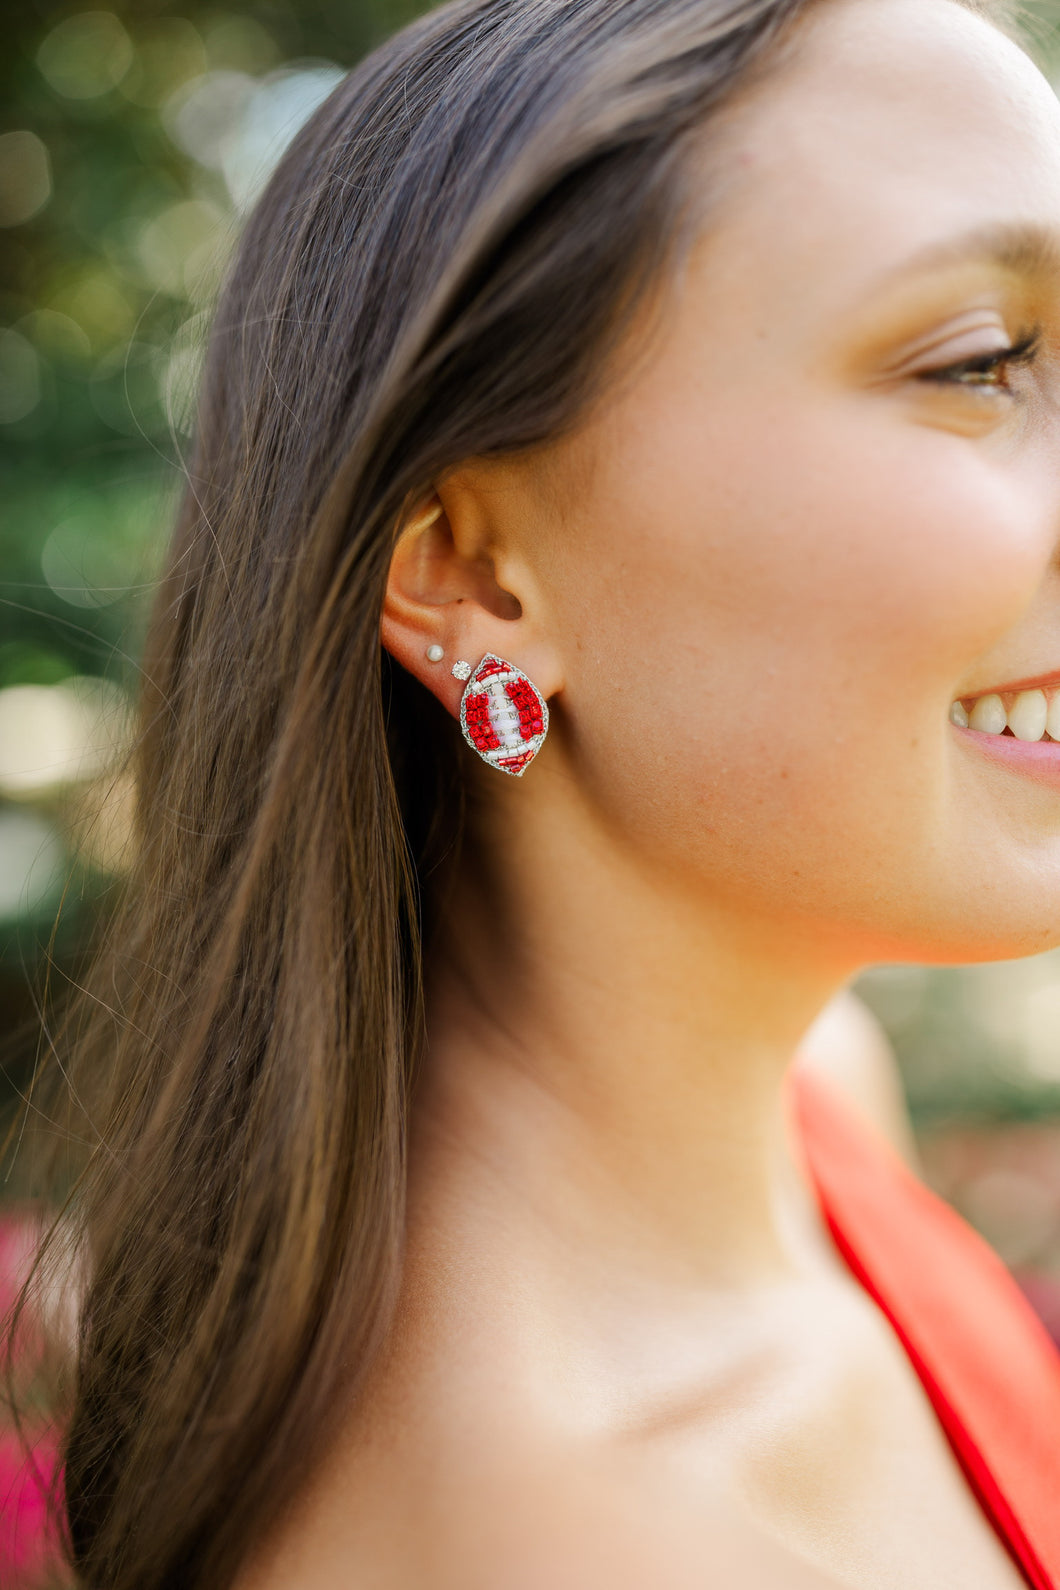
134,138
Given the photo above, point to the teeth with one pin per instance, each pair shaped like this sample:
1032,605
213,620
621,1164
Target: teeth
988,715
1031,714
1027,715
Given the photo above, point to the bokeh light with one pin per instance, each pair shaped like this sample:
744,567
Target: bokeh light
86,55
52,735
32,864
25,177
169,51
20,377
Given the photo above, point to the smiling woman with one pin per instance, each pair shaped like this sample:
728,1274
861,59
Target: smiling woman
652,402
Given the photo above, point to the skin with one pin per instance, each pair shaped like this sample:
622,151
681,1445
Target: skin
750,586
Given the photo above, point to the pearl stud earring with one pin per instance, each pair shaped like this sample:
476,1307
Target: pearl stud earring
435,653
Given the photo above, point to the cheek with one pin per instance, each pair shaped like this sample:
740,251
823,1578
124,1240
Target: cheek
853,544
774,608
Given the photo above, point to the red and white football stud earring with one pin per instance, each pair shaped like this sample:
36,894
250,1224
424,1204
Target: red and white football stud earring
504,717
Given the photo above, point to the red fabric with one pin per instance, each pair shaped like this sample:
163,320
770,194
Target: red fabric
986,1361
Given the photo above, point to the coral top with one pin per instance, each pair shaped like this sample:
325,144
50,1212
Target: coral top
985,1360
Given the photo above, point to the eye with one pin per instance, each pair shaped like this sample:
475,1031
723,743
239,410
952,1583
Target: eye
987,369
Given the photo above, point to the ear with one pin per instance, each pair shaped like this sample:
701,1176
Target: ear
442,592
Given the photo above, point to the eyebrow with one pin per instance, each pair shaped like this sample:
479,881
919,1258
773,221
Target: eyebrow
1024,248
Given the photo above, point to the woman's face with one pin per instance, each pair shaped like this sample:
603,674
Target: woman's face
803,525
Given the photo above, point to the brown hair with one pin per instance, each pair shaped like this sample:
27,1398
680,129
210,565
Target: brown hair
434,273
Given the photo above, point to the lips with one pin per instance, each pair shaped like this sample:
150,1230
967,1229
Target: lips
1037,760
1016,725
1050,681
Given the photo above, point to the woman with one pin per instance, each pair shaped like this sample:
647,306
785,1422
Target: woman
694,361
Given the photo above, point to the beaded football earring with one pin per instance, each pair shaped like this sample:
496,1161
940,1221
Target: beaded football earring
503,715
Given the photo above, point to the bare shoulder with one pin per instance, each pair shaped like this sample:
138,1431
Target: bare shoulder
570,1527
848,1045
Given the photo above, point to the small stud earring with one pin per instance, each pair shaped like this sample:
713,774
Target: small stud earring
435,653
461,670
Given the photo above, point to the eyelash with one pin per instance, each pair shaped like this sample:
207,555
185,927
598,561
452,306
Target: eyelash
1025,351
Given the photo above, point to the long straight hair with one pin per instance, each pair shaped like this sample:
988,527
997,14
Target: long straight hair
436,272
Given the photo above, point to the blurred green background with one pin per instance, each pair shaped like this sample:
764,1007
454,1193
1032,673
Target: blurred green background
132,140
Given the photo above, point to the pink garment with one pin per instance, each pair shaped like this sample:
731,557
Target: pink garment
27,1543
28,1548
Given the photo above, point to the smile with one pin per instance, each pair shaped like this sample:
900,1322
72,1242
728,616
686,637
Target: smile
1017,727
1027,715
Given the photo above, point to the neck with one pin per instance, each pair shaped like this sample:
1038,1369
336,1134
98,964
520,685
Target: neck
607,1049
